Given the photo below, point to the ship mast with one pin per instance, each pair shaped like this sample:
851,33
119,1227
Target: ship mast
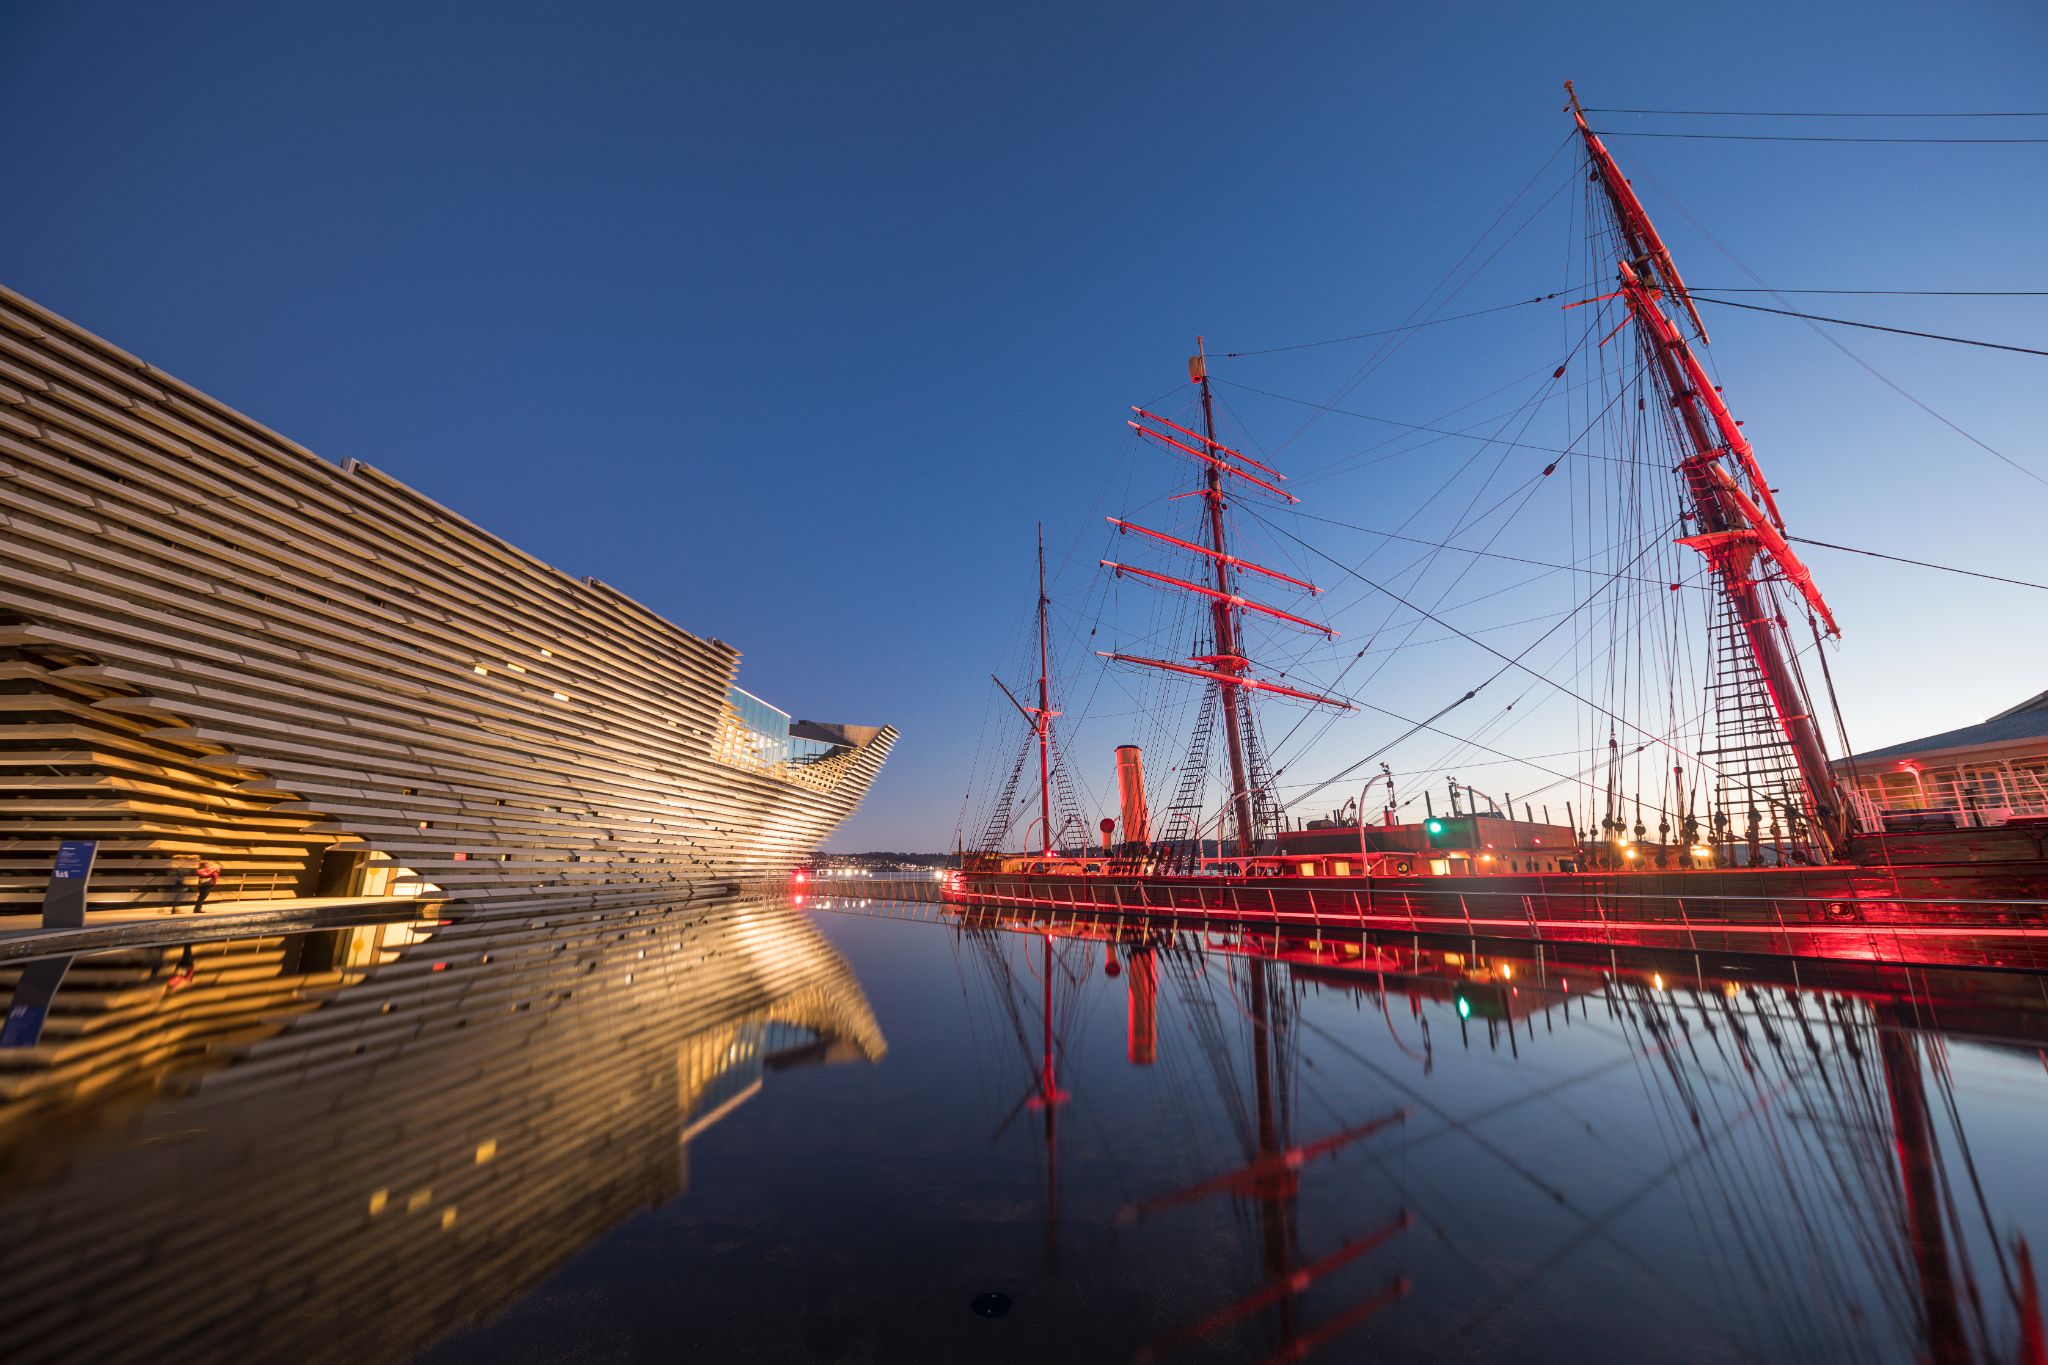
1039,718
1043,719
1223,621
1734,526
1226,667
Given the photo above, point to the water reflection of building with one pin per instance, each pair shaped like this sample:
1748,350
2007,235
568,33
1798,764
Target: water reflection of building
360,1158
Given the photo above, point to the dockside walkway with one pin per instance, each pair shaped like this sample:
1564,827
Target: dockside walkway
23,936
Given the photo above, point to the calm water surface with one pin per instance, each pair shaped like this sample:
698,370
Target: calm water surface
747,1131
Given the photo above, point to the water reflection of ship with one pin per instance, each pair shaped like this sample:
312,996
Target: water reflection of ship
1268,1180
456,1115
1856,1220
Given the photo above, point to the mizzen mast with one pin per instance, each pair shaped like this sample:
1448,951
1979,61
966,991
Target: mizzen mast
1739,529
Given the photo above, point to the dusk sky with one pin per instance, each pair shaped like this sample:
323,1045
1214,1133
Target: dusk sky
790,321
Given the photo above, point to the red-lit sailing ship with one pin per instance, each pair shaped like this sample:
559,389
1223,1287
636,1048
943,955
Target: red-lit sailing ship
1760,845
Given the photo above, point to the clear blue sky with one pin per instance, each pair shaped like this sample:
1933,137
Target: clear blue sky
792,319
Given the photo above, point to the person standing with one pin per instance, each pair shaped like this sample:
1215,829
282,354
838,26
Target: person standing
205,878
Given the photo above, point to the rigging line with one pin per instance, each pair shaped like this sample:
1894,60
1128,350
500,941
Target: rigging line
1416,426
1777,113
1357,459
1384,352
1902,293
1920,563
1868,368
1509,661
1390,331
1528,493
1869,326
1808,137
1418,726
1527,410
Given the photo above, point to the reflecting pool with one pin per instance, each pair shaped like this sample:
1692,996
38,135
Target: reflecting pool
868,1131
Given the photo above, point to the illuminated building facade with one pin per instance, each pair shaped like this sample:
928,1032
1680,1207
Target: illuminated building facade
216,645
1980,775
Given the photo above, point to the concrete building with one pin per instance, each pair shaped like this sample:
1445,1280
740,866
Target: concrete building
216,645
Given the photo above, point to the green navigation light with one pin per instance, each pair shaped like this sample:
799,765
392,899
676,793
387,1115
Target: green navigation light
1435,826
1464,1008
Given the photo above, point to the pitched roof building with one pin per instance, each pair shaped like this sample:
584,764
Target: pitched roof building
1983,774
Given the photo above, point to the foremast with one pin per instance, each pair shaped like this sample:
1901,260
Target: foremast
1735,514
1228,668
1039,717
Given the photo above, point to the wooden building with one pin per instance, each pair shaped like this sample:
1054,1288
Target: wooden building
216,645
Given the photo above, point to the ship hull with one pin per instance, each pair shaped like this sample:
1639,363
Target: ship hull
1953,914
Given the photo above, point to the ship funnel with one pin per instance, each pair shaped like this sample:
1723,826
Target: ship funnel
1130,787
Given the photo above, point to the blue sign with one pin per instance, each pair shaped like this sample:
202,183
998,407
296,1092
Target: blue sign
74,859
64,897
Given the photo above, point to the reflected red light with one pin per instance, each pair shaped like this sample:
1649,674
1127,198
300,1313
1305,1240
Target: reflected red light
440,966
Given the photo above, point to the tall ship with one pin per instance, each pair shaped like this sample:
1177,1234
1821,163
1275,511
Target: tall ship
1707,813
217,647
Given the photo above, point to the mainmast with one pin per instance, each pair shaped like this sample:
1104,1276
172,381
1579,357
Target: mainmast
1734,512
1226,667
1222,619
1043,718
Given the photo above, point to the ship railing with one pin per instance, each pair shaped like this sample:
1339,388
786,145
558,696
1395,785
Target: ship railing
1876,817
1889,928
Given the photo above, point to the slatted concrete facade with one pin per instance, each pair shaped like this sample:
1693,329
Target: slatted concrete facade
214,643
387,1151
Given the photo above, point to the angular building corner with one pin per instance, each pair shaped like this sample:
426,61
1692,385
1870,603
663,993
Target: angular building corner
216,645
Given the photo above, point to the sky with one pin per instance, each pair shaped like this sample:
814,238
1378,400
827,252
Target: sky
792,321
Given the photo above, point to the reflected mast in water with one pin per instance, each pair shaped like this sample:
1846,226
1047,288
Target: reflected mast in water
1811,1123
1271,1178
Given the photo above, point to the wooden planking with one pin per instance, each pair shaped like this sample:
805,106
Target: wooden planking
311,655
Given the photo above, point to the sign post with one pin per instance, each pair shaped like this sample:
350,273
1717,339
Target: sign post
64,899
